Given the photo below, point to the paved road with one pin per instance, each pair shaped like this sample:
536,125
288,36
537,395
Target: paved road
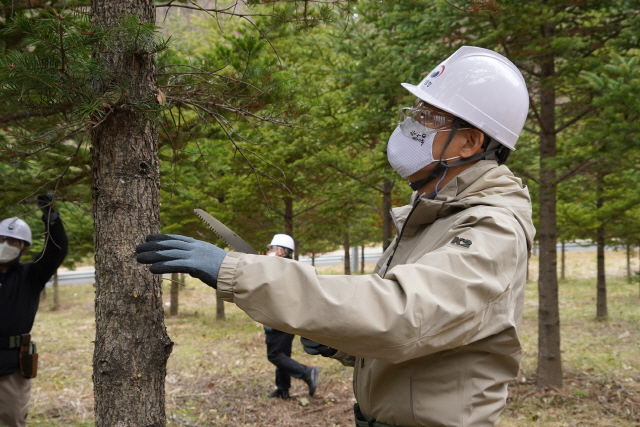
87,276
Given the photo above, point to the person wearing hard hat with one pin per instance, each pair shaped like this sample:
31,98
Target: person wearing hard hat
433,332
20,287
279,342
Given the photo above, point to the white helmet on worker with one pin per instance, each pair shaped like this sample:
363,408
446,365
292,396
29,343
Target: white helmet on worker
283,240
16,229
473,88
481,87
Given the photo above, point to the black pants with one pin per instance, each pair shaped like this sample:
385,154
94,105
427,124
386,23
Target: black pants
279,353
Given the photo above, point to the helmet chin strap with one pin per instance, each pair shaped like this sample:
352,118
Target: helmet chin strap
442,166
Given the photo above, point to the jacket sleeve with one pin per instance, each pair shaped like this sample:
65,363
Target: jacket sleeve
47,262
450,296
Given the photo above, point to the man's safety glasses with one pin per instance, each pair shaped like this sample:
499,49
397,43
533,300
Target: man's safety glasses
425,115
11,241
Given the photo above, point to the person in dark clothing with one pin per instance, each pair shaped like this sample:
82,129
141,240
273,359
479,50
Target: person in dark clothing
279,343
20,287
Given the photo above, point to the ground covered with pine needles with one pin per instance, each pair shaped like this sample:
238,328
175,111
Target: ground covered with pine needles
219,375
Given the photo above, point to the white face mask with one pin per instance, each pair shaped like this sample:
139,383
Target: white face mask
410,147
8,252
272,254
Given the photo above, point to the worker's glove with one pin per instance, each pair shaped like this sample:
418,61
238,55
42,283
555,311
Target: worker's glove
170,253
314,348
45,203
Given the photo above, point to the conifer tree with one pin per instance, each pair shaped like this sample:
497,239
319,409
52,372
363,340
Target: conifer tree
97,80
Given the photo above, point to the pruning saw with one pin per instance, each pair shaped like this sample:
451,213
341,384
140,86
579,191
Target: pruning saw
225,233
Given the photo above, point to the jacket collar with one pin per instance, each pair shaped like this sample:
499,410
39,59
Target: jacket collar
484,183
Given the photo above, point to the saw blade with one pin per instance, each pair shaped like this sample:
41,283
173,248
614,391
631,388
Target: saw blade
225,233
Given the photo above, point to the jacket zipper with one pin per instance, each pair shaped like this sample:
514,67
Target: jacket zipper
395,247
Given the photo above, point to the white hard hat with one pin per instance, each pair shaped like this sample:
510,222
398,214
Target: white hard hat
482,88
16,228
283,240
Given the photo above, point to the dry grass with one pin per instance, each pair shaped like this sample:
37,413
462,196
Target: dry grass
218,373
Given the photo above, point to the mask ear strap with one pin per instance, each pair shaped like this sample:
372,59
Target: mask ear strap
441,165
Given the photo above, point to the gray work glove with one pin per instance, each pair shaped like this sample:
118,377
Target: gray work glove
170,253
45,203
314,348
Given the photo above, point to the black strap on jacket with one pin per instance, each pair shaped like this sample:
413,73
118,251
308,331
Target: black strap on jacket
10,342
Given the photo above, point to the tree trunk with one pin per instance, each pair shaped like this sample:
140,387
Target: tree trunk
288,222
347,259
601,299
354,259
175,292
562,262
131,344
220,308
43,294
313,259
56,296
362,261
628,262
387,221
549,371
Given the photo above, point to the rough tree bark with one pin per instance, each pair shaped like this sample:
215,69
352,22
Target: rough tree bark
549,371
131,345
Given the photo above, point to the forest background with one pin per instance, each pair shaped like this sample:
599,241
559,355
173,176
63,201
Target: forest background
274,118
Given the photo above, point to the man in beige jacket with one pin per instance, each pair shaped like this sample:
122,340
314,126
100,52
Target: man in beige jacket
433,332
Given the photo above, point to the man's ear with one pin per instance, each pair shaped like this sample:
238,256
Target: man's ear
473,145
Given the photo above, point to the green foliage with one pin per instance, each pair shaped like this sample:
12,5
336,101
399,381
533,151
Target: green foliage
608,190
52,70
257,111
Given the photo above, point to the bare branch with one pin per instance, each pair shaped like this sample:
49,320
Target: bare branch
532,105
531,130
527,175
576,170
575,119
224,11
356,178
20,116
309,208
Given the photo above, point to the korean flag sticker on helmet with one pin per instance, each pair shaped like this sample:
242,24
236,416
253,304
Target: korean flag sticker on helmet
437,72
